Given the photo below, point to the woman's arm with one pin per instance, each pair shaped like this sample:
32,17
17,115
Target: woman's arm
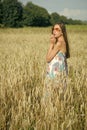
53,51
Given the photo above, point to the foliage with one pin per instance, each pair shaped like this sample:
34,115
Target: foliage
12,13
55,18
35,15
1,12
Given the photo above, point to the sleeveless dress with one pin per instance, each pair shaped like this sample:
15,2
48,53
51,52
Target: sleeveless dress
55,81
57,65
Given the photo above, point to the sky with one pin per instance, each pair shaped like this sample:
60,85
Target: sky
75,9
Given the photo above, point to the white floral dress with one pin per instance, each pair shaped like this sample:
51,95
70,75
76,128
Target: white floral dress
55,82
57,65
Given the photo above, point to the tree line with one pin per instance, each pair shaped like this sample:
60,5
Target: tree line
14,14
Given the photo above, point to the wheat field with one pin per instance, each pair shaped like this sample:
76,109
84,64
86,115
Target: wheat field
22,77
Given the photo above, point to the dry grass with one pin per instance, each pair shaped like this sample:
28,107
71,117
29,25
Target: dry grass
22,77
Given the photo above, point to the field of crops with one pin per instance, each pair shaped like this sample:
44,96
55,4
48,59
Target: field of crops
22,78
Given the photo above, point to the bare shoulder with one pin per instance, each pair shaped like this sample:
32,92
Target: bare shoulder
59,44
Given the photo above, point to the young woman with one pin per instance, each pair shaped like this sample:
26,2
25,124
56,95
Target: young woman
55,81
58,52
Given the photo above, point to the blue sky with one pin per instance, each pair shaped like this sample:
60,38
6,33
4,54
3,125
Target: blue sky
75,9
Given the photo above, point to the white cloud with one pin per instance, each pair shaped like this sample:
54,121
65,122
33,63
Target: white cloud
74,13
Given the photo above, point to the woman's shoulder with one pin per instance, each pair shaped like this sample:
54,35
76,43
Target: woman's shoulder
60,42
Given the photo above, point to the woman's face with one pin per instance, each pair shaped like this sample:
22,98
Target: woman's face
57,31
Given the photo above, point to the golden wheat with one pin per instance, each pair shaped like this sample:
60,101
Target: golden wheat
22,78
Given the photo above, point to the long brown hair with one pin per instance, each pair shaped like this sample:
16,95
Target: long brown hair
63,28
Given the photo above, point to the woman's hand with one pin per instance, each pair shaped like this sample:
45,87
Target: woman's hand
52,40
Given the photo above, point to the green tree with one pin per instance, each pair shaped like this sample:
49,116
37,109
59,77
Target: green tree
78,22
55,18
63,19
1,12
34,15
12,13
